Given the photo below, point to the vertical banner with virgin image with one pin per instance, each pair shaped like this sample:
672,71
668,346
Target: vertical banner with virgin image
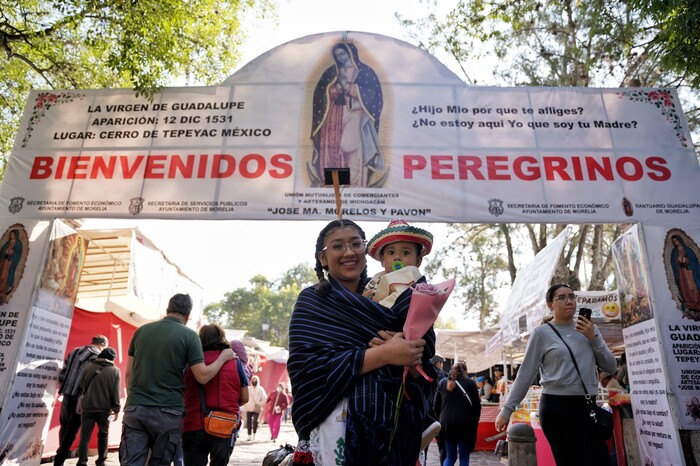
674,253
41,343
653,417
22,246
18,270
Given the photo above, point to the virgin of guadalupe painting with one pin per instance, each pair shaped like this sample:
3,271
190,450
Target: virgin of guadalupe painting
683,272
14,246
64,265
347,106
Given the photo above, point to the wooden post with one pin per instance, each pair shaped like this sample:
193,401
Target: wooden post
336,189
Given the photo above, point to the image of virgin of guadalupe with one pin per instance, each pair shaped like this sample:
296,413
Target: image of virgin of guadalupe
681,255
14,246
347,105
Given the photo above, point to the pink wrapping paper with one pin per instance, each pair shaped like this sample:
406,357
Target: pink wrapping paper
426,303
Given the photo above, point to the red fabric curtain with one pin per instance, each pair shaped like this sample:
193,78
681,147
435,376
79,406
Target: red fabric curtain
84,326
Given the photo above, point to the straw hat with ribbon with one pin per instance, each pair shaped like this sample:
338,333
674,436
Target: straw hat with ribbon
399,230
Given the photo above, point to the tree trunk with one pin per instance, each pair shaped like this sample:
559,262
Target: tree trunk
509,247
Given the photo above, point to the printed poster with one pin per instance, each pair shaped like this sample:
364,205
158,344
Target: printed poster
648,372
32,374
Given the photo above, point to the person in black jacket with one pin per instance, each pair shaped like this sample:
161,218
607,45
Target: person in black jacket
99,384
458,405
69,390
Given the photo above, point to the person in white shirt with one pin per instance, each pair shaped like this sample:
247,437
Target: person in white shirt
257,397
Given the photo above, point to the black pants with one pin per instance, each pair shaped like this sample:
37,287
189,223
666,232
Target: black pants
566,424
251,421
88,421
200,448
70,424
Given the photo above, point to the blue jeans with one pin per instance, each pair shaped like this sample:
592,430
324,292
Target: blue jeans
198,445
179,459
88,421
451,447
150,429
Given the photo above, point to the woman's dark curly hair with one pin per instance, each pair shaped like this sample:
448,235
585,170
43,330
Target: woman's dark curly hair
323,287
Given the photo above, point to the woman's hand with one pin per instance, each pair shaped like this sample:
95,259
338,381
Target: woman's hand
501,423
402,352
384,336
395,351
585,327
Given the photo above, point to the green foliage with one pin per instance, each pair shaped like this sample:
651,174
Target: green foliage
263,301
560,42
449,324
87,44
479,265
676,27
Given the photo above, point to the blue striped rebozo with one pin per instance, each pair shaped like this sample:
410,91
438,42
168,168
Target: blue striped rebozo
328,337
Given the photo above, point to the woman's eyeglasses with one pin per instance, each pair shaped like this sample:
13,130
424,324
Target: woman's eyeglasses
565,297
357,246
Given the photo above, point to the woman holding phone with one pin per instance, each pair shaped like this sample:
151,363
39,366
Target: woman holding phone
563,409
458,406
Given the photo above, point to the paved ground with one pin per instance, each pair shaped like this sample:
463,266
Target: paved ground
252,453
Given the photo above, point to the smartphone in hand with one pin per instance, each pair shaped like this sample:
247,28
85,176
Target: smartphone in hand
585,312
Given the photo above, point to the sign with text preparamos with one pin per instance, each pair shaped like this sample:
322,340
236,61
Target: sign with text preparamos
418,142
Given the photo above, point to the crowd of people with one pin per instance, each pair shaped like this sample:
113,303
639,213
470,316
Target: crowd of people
363,393
175,377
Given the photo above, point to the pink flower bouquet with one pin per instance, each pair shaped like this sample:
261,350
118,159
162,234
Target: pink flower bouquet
426,303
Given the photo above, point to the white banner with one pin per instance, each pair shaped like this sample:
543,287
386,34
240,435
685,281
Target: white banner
654,419
526,299
153,279
27,411
419,144
604,304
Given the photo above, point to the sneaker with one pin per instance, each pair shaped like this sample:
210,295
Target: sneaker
429,434
253,437
250,438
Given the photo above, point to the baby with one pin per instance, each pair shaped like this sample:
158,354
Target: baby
400,249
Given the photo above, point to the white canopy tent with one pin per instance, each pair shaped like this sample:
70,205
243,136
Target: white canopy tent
125,273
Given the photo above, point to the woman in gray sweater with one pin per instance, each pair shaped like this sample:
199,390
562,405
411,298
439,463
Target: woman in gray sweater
563,410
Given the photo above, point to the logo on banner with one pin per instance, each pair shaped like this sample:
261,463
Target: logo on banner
16,204
495,207
136,205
